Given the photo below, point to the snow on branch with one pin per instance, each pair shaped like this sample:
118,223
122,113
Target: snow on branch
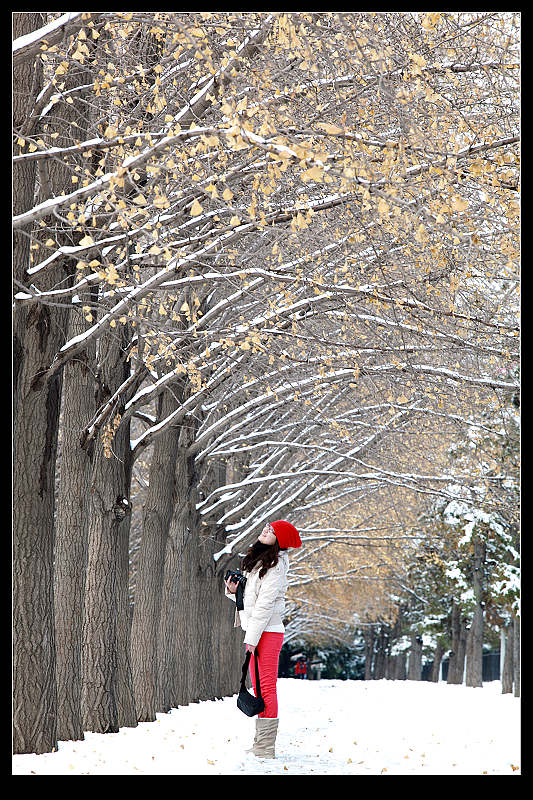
29,45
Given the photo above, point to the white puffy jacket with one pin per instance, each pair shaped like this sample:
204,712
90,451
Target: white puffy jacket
264,601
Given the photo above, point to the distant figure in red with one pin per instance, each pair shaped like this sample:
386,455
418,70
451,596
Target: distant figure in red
300,669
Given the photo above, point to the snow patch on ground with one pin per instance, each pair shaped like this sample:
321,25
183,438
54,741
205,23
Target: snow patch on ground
327,727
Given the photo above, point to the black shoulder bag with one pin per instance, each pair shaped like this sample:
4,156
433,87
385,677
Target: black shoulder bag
247,703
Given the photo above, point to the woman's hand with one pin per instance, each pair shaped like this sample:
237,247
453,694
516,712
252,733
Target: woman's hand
250,648
231,585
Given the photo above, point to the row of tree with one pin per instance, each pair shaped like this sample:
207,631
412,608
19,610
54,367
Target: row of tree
259,261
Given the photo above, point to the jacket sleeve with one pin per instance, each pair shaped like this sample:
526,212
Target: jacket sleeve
270,587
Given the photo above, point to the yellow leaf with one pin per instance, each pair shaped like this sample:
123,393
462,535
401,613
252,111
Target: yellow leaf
459,204
161,201
313,174
234,221
430,20
227,194
196,209
420,234
86,241
140,200
328,128
383,206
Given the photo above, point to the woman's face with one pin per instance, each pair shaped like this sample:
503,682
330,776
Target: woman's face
267,535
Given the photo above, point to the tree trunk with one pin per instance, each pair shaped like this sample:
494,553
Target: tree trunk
507,669
77,409
176,655
27,79
474,662
437,658
150,569
516,655
379,663
458,649
70,552
369,651
37,333
401,667
461,653
414,672
127,715
454,637
225,640
106,703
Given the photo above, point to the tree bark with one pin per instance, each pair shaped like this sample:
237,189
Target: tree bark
70,552
437,658
516,655
458,649
36,335
150,568
507,670
27,79
369,651
414,671
474,662
78,406
107,696
379,662
401,667
176,632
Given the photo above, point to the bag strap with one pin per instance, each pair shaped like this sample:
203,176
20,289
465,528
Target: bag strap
245,670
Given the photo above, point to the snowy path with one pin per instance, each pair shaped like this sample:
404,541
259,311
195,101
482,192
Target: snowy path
326,728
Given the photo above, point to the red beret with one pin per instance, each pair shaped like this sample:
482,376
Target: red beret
286,534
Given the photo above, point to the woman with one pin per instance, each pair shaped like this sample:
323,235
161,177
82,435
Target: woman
265,566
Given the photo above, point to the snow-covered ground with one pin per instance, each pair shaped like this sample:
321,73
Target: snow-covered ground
327,727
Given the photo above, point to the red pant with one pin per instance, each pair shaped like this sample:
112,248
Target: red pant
268,650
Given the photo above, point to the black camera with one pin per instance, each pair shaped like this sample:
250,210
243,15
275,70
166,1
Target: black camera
238,578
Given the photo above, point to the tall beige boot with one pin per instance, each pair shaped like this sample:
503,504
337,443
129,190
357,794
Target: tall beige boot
266,731
251,749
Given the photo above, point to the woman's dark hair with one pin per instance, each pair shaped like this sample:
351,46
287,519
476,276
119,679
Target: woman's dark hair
265,554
